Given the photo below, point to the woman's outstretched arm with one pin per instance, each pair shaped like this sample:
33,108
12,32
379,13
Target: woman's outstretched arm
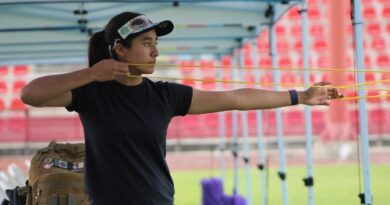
252,99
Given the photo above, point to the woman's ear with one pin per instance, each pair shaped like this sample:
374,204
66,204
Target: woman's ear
120,51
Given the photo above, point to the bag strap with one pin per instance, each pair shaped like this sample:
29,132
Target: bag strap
53,199
72,199
69,199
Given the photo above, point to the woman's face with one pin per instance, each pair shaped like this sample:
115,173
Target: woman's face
143,51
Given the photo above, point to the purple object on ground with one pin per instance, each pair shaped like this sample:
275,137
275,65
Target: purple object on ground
212,191
233,200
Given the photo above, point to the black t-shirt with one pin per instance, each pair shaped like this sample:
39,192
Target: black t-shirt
125,139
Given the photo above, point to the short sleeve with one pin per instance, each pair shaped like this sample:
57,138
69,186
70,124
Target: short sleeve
80,98
180,97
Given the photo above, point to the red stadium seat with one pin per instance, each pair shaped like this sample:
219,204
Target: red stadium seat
298,46
226,64
373,28
187,68
293,122
386,79
296,30
369,77
207,64
320,45
226,61
285,62
376,117
367,61
288,79
325,77
300,62
312,79
323,62
378,43
388,28
263,36
266,80
388,96
314,13
350,78
293,14
386,11
280,30
187,64
188,82
317,30
250,80
208,83
247,49
369,12
3,70
383,61
262,45
375,99
3,87
282,46
265,62
2,104
17,105
17,86
318,121
226,78
208,74
248,63
350,93
21,70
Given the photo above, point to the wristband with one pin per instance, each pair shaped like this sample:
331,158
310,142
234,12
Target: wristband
294,97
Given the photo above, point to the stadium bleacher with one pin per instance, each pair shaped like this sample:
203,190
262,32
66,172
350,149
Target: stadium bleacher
16,123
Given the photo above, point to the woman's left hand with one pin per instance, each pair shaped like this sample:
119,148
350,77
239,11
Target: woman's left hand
320,94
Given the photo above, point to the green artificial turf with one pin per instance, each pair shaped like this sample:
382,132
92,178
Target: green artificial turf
334,184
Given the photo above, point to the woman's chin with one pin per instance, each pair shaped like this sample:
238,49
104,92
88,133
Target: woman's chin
142,70
148,70
151,72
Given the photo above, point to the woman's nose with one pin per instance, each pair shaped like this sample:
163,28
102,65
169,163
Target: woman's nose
155,51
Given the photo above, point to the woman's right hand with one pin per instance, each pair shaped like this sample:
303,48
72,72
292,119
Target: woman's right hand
107,69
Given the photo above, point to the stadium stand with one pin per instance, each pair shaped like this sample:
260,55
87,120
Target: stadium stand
289,46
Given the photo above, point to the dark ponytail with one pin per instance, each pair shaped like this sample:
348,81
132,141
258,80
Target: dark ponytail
99,42
98,48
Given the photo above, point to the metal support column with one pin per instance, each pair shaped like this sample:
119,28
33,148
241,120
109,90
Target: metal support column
309,180
279,126
366,198
260,141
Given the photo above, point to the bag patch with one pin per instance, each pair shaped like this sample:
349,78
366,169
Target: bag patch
56,176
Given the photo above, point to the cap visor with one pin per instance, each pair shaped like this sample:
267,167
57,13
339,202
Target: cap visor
163,28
